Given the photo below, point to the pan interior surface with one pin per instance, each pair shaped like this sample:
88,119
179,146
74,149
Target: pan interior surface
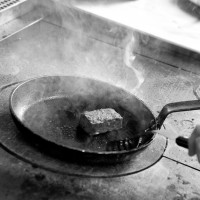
50,107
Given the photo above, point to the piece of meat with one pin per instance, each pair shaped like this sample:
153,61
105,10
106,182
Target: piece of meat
100,121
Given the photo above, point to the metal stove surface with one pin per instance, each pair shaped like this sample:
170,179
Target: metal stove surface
31,53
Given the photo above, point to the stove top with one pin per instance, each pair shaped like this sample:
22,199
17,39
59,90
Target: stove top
161,171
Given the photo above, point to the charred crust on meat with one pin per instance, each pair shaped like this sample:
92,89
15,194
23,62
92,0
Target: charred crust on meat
100,121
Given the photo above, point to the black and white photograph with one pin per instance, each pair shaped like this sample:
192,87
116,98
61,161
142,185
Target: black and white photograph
99,99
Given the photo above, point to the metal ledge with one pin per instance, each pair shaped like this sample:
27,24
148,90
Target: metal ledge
12,9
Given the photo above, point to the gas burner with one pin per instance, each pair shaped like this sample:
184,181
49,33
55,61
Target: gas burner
12,140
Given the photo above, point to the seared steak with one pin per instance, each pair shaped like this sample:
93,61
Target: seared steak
100,121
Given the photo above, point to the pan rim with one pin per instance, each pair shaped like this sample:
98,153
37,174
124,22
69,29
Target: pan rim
122,152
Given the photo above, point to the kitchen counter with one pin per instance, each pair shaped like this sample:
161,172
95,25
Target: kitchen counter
175,21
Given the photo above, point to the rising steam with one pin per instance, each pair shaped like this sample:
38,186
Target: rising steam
70,52
129,58
76,53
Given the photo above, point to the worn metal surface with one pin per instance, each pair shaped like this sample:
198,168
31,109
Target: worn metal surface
45,49
20,23
11,9
165,180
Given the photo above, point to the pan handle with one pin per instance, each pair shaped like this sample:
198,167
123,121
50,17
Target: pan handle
176,107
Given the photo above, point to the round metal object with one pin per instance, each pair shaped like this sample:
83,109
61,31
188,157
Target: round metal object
13,141
47,110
